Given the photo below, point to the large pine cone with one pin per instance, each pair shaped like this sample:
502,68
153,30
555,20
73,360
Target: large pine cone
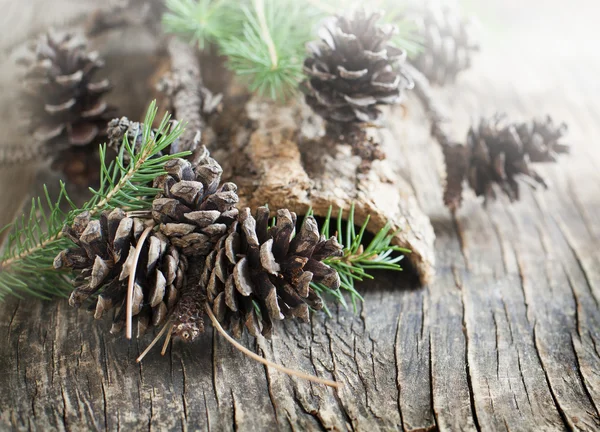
354,69
498,153
258,274
64,102
447,38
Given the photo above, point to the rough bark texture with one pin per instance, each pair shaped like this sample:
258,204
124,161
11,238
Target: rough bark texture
506,338
281,158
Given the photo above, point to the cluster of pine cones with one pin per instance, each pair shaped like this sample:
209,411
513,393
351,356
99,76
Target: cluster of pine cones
196,248
498,153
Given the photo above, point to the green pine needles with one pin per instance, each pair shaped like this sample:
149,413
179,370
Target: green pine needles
201,21
358,261
265,40
26,265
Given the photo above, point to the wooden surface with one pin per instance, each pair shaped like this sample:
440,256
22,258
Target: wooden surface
507,338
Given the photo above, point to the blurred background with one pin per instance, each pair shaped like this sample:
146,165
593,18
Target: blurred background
541,51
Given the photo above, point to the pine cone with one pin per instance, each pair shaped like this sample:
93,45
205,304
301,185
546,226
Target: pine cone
118,128
498,153
257,274
65,104
447,40
103,256
191,214
354,69
195,210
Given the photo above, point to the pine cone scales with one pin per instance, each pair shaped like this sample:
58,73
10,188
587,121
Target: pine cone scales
354,69
257,275
65,102
499,153
447,40
104,254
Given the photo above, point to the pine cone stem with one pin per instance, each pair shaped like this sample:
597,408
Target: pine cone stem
264,361
167,339
131,283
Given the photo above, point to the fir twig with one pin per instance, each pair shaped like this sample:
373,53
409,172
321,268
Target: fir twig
27,262
358,261
269,52
200,21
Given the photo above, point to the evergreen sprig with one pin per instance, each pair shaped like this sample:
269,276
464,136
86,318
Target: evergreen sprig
27,262
269,52
358,261
202,21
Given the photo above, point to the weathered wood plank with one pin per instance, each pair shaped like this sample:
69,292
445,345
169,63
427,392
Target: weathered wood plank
506,338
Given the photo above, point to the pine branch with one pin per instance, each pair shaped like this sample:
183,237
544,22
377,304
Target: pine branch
270,50
358,261
27,263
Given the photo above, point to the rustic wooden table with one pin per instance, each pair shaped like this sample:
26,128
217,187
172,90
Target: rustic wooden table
506,338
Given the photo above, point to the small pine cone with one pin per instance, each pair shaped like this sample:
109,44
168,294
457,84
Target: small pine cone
118,128
447,40
498,153
65,105
103,256
354,69
258,274
194,210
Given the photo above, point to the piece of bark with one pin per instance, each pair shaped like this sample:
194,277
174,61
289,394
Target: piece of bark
279,157
187,95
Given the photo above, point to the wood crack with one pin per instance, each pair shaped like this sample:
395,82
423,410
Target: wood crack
467,365
560,410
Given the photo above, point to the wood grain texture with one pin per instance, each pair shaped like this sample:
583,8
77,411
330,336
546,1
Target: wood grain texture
506,338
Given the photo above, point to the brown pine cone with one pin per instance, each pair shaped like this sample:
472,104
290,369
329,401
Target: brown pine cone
498,153
447,38
194,210
103,255
64,102
258,274
118,128
354,69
